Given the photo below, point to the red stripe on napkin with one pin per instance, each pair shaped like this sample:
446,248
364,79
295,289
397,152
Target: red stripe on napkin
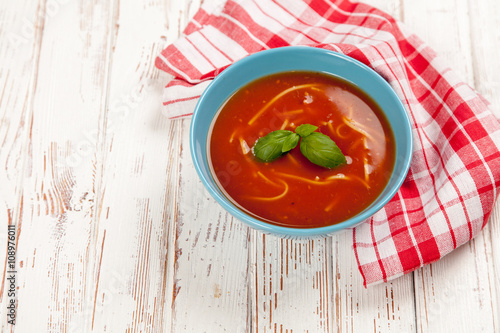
454,178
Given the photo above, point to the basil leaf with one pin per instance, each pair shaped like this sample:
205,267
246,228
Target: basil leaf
270,147
321,150
290,142
305,129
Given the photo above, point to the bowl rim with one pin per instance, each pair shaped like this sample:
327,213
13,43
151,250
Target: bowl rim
283,230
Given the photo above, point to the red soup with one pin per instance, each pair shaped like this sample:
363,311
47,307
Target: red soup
291,191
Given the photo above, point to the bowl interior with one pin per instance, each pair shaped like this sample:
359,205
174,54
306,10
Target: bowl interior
300,59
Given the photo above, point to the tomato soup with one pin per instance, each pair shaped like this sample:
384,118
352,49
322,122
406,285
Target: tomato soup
291,191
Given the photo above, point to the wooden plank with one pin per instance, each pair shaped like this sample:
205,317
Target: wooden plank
485,36
446,29
387,307
135,249
485,39
314,286
492,253
210,249
176,243
61,162
391,7
447,290
291,284
211,262
19,58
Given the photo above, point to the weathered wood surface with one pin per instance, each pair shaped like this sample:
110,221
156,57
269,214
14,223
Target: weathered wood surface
114,231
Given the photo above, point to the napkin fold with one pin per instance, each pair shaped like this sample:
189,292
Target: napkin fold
454,177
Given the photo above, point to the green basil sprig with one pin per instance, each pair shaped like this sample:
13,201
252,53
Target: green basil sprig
273,145
316,147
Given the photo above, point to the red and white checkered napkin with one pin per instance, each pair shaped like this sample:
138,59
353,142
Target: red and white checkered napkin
454,178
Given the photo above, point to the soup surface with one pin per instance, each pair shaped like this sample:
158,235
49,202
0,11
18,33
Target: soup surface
291,191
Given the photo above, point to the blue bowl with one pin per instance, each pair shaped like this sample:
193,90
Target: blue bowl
296,58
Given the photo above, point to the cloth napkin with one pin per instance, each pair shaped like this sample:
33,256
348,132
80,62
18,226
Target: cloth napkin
454,177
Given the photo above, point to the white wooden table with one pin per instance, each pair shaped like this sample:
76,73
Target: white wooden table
115,233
